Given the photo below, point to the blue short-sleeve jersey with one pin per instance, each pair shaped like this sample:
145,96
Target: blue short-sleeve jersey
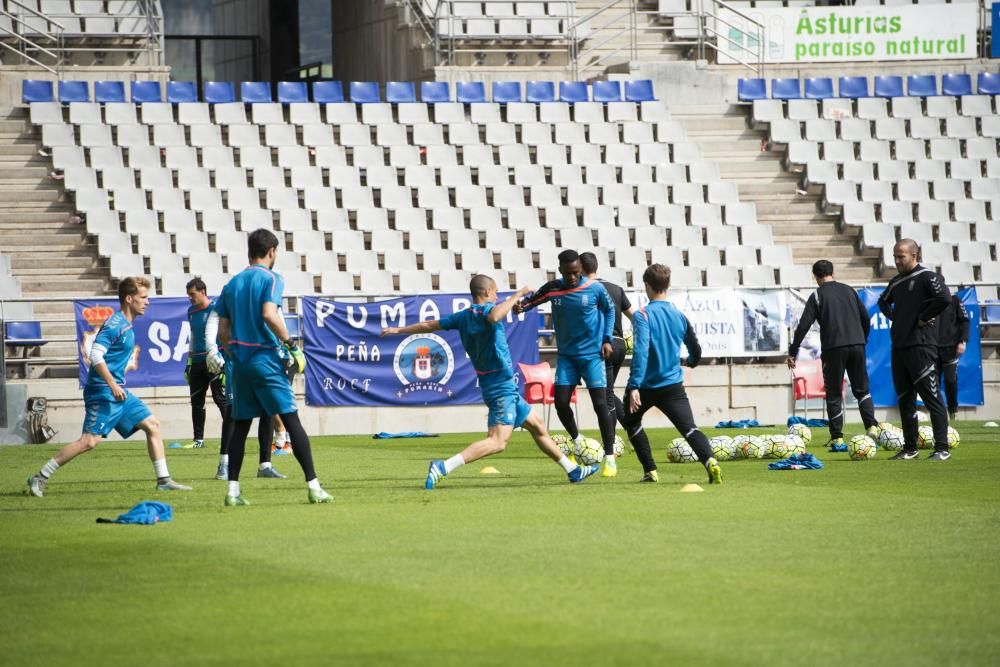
118,339
197,317
486,345
241,303
583,316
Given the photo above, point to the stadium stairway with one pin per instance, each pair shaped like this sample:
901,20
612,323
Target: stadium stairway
49,253
724,135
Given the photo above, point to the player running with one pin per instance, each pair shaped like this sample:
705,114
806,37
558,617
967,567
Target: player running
199,380
485,340
252,331
583,317
109,406
656,378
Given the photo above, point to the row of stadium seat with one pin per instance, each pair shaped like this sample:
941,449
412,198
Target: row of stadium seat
853,87
361,92
876,109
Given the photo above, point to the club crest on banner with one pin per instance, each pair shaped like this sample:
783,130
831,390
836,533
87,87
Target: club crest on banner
96,316
423,362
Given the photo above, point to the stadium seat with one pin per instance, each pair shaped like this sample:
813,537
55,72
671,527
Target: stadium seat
34,90
74,91
786,89
470,92
749,90
506,92
540,91
365,92
853,86
572,92
434,92
255,92
182,92
109,91
146,92
819,88
988,83
921,85
219,92
607,91
328,92
888,86
293,92
640,90
539,387
956,84
400,92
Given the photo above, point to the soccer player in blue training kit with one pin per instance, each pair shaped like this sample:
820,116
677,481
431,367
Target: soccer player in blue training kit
108,404
252,331
485,340
583,317
199,380
656,378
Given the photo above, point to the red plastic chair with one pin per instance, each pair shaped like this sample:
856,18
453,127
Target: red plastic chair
539,388
807,382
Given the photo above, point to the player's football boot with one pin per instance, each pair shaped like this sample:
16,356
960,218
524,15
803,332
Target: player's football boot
940,455
222,472
435,472
905,455
171,485
609,467
36,485
270,473
651,477
198,444
580,473
714,471
836,445
320,496
236,501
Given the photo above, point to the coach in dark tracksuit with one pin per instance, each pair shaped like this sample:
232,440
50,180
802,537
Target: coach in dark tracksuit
613,364
953,335
843,329
912,300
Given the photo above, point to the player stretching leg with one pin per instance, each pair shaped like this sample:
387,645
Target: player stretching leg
252,331
583,316
108,404
485,340
656,378
199,380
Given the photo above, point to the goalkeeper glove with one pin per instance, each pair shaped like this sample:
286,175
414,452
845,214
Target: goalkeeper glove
187,371
215,361
296,359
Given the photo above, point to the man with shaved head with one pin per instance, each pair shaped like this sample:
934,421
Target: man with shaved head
912,300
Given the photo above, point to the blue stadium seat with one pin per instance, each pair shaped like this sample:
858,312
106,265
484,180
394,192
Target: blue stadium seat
921,85
74,91
888,86
293,92
294,324
365,92
470,92
956,84
255,92
853,87
24,335
219,92
146,91
607,91
540,91
573,91
786,89
505,92
398,92
819,88
182,92
988,83
328,92
640,90
35,90
749,90
109,91
433,92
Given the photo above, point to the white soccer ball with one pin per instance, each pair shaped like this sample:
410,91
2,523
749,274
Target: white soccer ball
925,437
953,437
757,447
680,451
564,443
922,416
740,443
588,451
783,447
619,445
723,447
773,440
861,447
801,430
874,432
890,438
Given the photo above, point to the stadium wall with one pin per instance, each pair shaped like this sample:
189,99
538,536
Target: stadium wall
370,43
759,391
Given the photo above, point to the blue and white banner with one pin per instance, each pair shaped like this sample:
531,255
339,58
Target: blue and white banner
350,365
161,340
879,352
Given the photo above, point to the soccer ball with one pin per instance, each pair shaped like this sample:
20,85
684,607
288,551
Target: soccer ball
925,437
802,431
953,437
861,447
757,447
564,443
723,447
740,444
922,416
890,437
874,432
619,445
785,446
680,451
771,440
588,451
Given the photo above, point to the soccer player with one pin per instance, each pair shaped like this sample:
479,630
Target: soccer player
252,331
843,329
485,340
108,404
953,335
912,300
199,380
583,317
656,378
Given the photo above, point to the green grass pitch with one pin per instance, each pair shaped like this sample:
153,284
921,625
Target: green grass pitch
863,563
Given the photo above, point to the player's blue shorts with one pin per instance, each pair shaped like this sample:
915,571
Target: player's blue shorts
261,387
507,410
569,370
104,414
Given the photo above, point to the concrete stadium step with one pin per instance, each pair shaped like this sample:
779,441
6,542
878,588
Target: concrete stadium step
37,173
61,273
733,125
46,227
21,149
784,206
28,240
51,261
64,287
21,195
758,189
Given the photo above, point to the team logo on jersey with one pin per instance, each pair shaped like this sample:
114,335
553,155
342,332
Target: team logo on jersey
423,362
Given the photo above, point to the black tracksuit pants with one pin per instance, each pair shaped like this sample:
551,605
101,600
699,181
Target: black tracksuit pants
200,384
672,401
914,372
850,358
612,365
947,368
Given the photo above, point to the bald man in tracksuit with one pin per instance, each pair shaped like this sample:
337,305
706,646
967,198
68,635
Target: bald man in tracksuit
912,300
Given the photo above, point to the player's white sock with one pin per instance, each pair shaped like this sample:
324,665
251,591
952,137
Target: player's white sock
50,467
234,489
265,465
160,469
457,461
200,443
567,465
314,484
224,459
280,438
579,438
